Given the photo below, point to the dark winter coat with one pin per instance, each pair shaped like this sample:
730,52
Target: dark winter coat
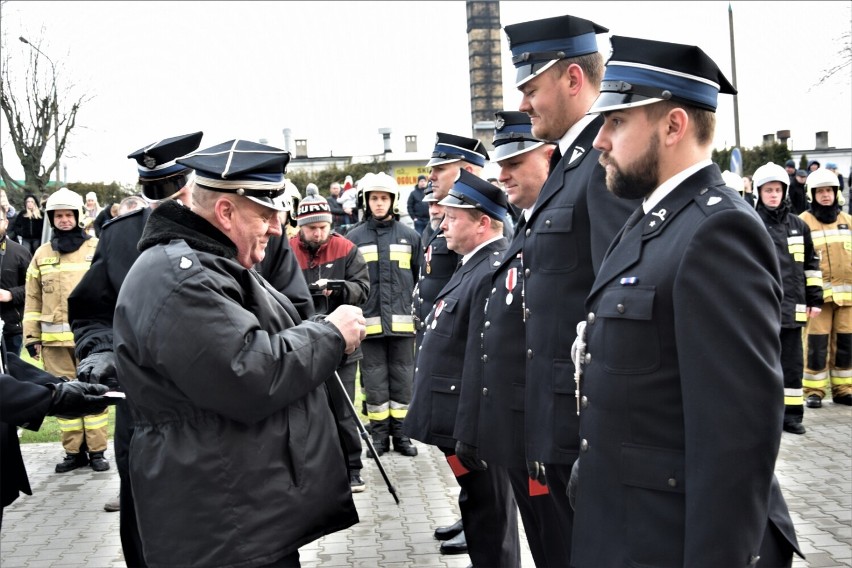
235,459
14,260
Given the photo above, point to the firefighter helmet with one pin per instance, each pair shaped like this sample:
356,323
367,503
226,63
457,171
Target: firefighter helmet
771,172
823,177
65,199
378,182
733,181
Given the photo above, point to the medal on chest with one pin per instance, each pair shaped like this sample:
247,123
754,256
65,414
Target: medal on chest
511,282
439,307
428,258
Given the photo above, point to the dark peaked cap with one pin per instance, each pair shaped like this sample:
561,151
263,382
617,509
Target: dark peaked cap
472,192
451,148
242,167
513,134
536,45
159,174
644,71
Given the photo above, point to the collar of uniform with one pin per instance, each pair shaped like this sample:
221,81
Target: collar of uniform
569,137
469,255
670,184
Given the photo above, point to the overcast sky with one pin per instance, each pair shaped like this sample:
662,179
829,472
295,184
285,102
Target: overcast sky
336,72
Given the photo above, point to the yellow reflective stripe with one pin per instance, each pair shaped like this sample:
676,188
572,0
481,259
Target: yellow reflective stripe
369,252
66,267
374,325
70,424
402,323
96,421
398,409
843,298
814,281
32,316
401,254
801,312
378,412
33,272
62,336
815,383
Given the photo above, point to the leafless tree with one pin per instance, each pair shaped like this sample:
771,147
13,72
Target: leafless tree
39,115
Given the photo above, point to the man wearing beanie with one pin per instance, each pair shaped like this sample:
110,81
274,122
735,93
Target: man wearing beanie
336,274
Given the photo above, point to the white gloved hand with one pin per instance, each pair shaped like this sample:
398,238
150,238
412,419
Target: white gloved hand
578,348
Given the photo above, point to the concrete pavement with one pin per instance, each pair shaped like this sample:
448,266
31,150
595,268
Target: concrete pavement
63,523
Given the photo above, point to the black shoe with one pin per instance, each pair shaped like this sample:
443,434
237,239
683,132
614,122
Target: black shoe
404,446
446,533
98,462
71,462
382,447
456,545
355,482
793,427
845,399
813,401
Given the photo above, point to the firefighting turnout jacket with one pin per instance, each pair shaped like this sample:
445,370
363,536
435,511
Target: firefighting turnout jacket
833,243
51,277
390,250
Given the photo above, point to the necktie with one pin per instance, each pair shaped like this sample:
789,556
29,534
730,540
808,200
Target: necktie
634,217
554,159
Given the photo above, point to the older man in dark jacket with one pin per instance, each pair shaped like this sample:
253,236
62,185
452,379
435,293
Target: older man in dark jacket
235,457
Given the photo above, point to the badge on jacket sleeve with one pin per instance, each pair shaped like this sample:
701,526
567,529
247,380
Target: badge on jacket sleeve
185,262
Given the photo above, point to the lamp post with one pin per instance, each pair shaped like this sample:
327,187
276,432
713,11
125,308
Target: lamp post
54,105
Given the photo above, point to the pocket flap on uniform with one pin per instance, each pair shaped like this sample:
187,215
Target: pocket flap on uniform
627,303
653,468
448,385
445,305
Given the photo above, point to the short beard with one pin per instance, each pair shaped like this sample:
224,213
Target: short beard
641,180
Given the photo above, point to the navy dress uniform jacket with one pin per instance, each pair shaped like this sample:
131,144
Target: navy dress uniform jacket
436,268
450,345
680,426
491,410
573,222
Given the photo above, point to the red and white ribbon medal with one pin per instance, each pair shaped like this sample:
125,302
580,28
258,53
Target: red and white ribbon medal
439,307
511,282
428,258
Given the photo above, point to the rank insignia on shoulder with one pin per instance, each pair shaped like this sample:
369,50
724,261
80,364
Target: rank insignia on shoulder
713,200
185,262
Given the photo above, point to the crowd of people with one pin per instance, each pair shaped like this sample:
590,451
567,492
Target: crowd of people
562,333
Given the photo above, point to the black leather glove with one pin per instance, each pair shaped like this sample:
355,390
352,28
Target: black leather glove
573,483
536,471
469,457
99,368
73,399
31,350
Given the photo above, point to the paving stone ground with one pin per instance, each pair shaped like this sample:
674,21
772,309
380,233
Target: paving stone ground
63,523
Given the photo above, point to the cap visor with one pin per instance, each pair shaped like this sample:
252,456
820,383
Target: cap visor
607,102
506,151
266,202
452,201
530,71
442,161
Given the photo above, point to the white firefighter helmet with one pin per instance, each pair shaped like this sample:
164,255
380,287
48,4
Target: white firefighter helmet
822,177
733,181
378,182
771,172
65,199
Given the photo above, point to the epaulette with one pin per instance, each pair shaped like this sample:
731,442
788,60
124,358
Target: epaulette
714,199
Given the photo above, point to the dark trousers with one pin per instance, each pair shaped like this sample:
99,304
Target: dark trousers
557,484
14,342
346,427
131,542
548,544
387,371
489,516
793,365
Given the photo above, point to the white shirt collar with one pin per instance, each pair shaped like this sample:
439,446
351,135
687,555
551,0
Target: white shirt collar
468,256
569,137
668,186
